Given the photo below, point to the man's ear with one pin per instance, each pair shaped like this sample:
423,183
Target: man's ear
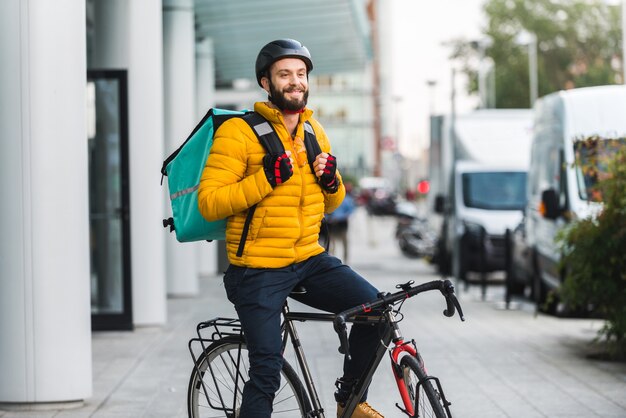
265,83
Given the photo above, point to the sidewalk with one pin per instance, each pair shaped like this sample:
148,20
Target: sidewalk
498,363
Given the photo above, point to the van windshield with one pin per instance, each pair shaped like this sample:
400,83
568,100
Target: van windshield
592,156
499,190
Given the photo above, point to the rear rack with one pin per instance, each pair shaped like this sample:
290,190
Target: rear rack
209,332
216,329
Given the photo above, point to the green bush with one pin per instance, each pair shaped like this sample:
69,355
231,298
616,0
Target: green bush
594,254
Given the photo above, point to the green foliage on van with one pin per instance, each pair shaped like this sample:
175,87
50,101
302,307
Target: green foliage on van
594,255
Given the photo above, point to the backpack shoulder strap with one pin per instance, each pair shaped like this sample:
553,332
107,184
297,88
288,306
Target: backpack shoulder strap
265,133
313,149
310,142
268,137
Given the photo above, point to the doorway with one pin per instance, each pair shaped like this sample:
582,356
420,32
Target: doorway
109,202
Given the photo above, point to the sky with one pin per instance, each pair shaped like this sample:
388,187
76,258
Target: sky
419,29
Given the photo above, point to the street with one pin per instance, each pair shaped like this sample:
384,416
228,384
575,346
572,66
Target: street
498,363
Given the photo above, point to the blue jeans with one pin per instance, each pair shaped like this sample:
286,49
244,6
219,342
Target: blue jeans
259,295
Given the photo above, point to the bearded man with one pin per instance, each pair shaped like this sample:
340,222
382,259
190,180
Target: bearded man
281,250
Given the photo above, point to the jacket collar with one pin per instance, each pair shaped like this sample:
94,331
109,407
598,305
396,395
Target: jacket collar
275,116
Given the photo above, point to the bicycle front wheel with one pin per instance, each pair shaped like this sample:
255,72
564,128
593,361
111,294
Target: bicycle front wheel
216,383
425,398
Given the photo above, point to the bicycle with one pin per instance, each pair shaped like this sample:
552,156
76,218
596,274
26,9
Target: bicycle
220,370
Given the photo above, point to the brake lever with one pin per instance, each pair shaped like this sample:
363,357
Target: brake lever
340,328
457,305
452,303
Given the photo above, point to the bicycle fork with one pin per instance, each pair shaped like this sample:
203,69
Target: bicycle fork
400,346
410,348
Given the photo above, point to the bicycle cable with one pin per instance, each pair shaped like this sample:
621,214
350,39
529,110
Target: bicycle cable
381,319
397,312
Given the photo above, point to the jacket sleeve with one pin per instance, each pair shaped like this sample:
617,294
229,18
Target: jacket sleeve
331,200
233,178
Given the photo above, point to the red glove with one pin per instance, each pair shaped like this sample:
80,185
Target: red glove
328,180
277,168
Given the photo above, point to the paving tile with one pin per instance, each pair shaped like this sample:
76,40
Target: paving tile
499,363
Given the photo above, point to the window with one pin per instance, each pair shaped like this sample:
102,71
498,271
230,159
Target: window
495,190
592,156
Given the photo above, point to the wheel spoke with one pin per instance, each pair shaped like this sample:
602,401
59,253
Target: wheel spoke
213,393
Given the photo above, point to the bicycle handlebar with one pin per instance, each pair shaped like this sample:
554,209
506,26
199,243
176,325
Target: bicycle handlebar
444,286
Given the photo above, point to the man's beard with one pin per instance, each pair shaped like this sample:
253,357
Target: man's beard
280,101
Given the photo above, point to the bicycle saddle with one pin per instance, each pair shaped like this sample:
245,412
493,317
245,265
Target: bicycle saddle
298,290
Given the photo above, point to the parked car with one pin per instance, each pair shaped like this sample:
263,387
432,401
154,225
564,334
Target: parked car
377,195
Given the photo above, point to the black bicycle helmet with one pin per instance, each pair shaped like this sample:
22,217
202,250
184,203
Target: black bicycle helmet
281,48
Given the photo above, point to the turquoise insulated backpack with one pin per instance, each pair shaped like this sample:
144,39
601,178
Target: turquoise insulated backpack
184,167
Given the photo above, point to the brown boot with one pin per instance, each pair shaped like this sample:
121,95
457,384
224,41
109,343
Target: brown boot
363,410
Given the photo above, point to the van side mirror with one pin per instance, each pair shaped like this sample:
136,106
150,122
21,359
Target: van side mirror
440,204
549,207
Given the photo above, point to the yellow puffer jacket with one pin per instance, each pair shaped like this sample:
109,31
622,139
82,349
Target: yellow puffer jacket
286,223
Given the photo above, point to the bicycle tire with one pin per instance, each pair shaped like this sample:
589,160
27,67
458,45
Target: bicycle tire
214,394
427,401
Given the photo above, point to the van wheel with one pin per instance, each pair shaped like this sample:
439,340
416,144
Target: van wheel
540,292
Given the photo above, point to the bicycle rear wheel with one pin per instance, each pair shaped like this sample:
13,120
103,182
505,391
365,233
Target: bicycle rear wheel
426,399
216,383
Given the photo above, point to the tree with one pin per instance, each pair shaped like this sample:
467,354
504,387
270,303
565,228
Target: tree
579,44
594,248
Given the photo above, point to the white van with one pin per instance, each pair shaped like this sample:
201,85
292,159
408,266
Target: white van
558,191
487,200
478,175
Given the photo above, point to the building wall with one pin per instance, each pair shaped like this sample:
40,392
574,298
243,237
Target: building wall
343,104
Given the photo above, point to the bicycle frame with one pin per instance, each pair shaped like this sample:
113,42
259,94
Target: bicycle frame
359,388
371,313
392,335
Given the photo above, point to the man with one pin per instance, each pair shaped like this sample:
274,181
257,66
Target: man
281,249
